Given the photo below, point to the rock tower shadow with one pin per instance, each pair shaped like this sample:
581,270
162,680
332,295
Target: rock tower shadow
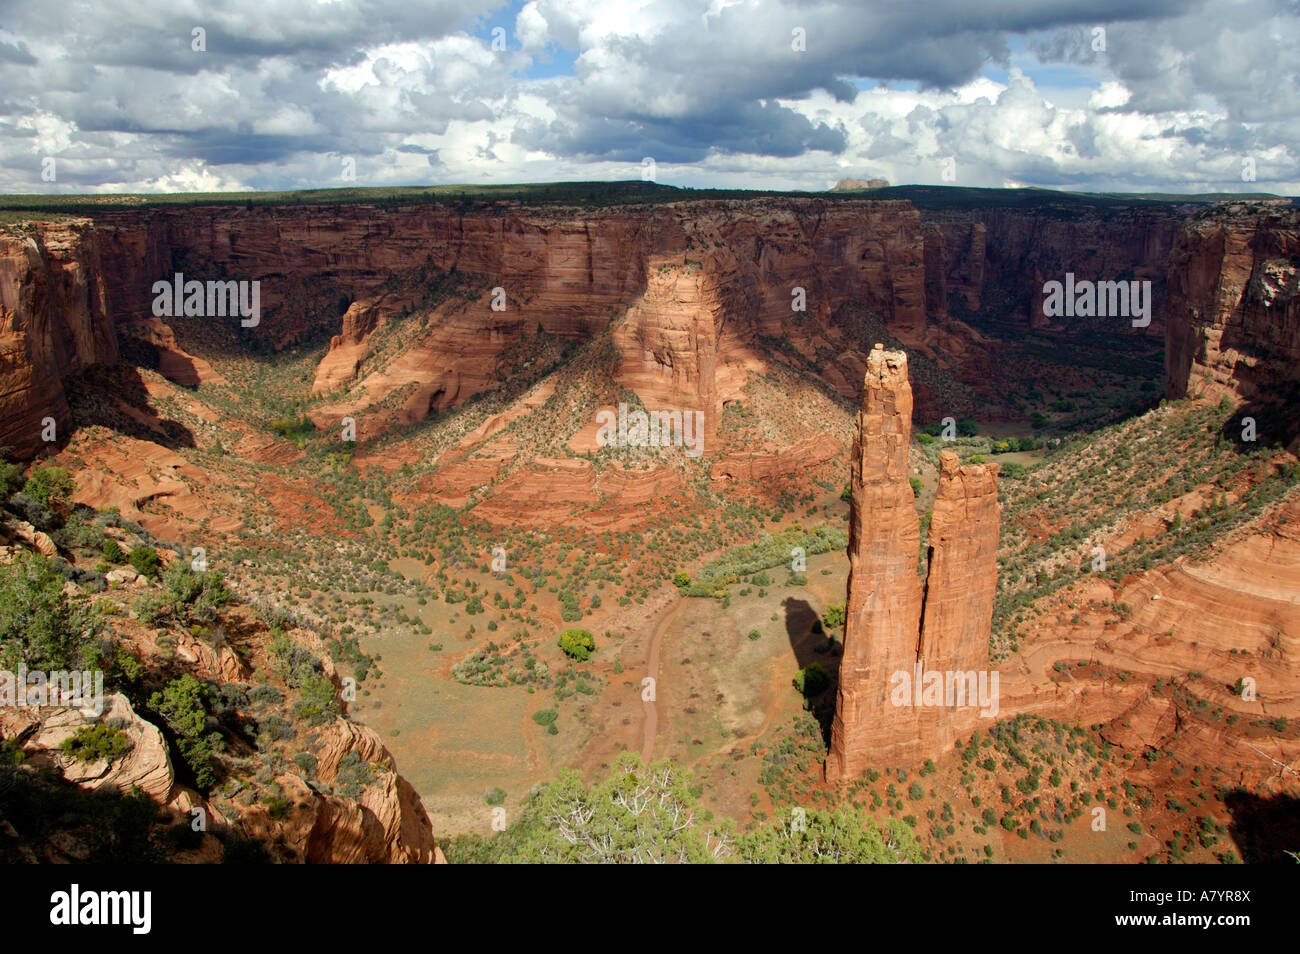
813,647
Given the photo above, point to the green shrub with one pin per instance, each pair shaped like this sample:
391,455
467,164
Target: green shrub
307,763
51,486
151,608
39,625
577,644
812,680
90,743
274,729
145,560
354,775
181,704
187,598
11,478
770,551
194,597
317,704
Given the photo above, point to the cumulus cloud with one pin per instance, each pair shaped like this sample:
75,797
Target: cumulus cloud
735,93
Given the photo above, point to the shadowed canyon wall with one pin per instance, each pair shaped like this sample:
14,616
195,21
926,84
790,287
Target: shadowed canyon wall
55,320
893,624
688,288
692,292
995,260
1234,311
691,288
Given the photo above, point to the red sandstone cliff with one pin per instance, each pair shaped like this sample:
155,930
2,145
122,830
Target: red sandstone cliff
891,624
54,321
690,289
1234,312
995,259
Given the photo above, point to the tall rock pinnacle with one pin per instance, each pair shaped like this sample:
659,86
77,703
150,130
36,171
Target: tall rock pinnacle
893,626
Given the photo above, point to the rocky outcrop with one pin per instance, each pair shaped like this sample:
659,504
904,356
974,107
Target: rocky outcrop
385,824
896,632
55,320
768,463
173,362
1234,311
146,765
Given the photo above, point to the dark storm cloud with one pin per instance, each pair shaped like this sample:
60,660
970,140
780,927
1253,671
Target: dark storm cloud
284,87
757,128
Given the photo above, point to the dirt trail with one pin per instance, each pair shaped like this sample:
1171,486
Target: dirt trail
666,619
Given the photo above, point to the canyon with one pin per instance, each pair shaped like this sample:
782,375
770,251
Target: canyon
473,345
688,290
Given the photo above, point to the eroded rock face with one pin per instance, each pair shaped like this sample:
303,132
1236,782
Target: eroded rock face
688,289
961,584
1234,311
995,259
147,766
883,618
893,625
54,321
385,824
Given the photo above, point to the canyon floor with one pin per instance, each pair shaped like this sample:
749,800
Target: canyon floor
455,691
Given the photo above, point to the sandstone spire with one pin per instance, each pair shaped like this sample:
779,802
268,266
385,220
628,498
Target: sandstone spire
960,587
884,634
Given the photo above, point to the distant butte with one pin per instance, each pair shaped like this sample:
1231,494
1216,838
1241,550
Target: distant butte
857,185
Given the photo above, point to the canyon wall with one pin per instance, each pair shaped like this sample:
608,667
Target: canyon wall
894,625
1234,312
692,292
689,288
55,320
991,261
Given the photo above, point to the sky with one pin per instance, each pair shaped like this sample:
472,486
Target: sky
105,96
